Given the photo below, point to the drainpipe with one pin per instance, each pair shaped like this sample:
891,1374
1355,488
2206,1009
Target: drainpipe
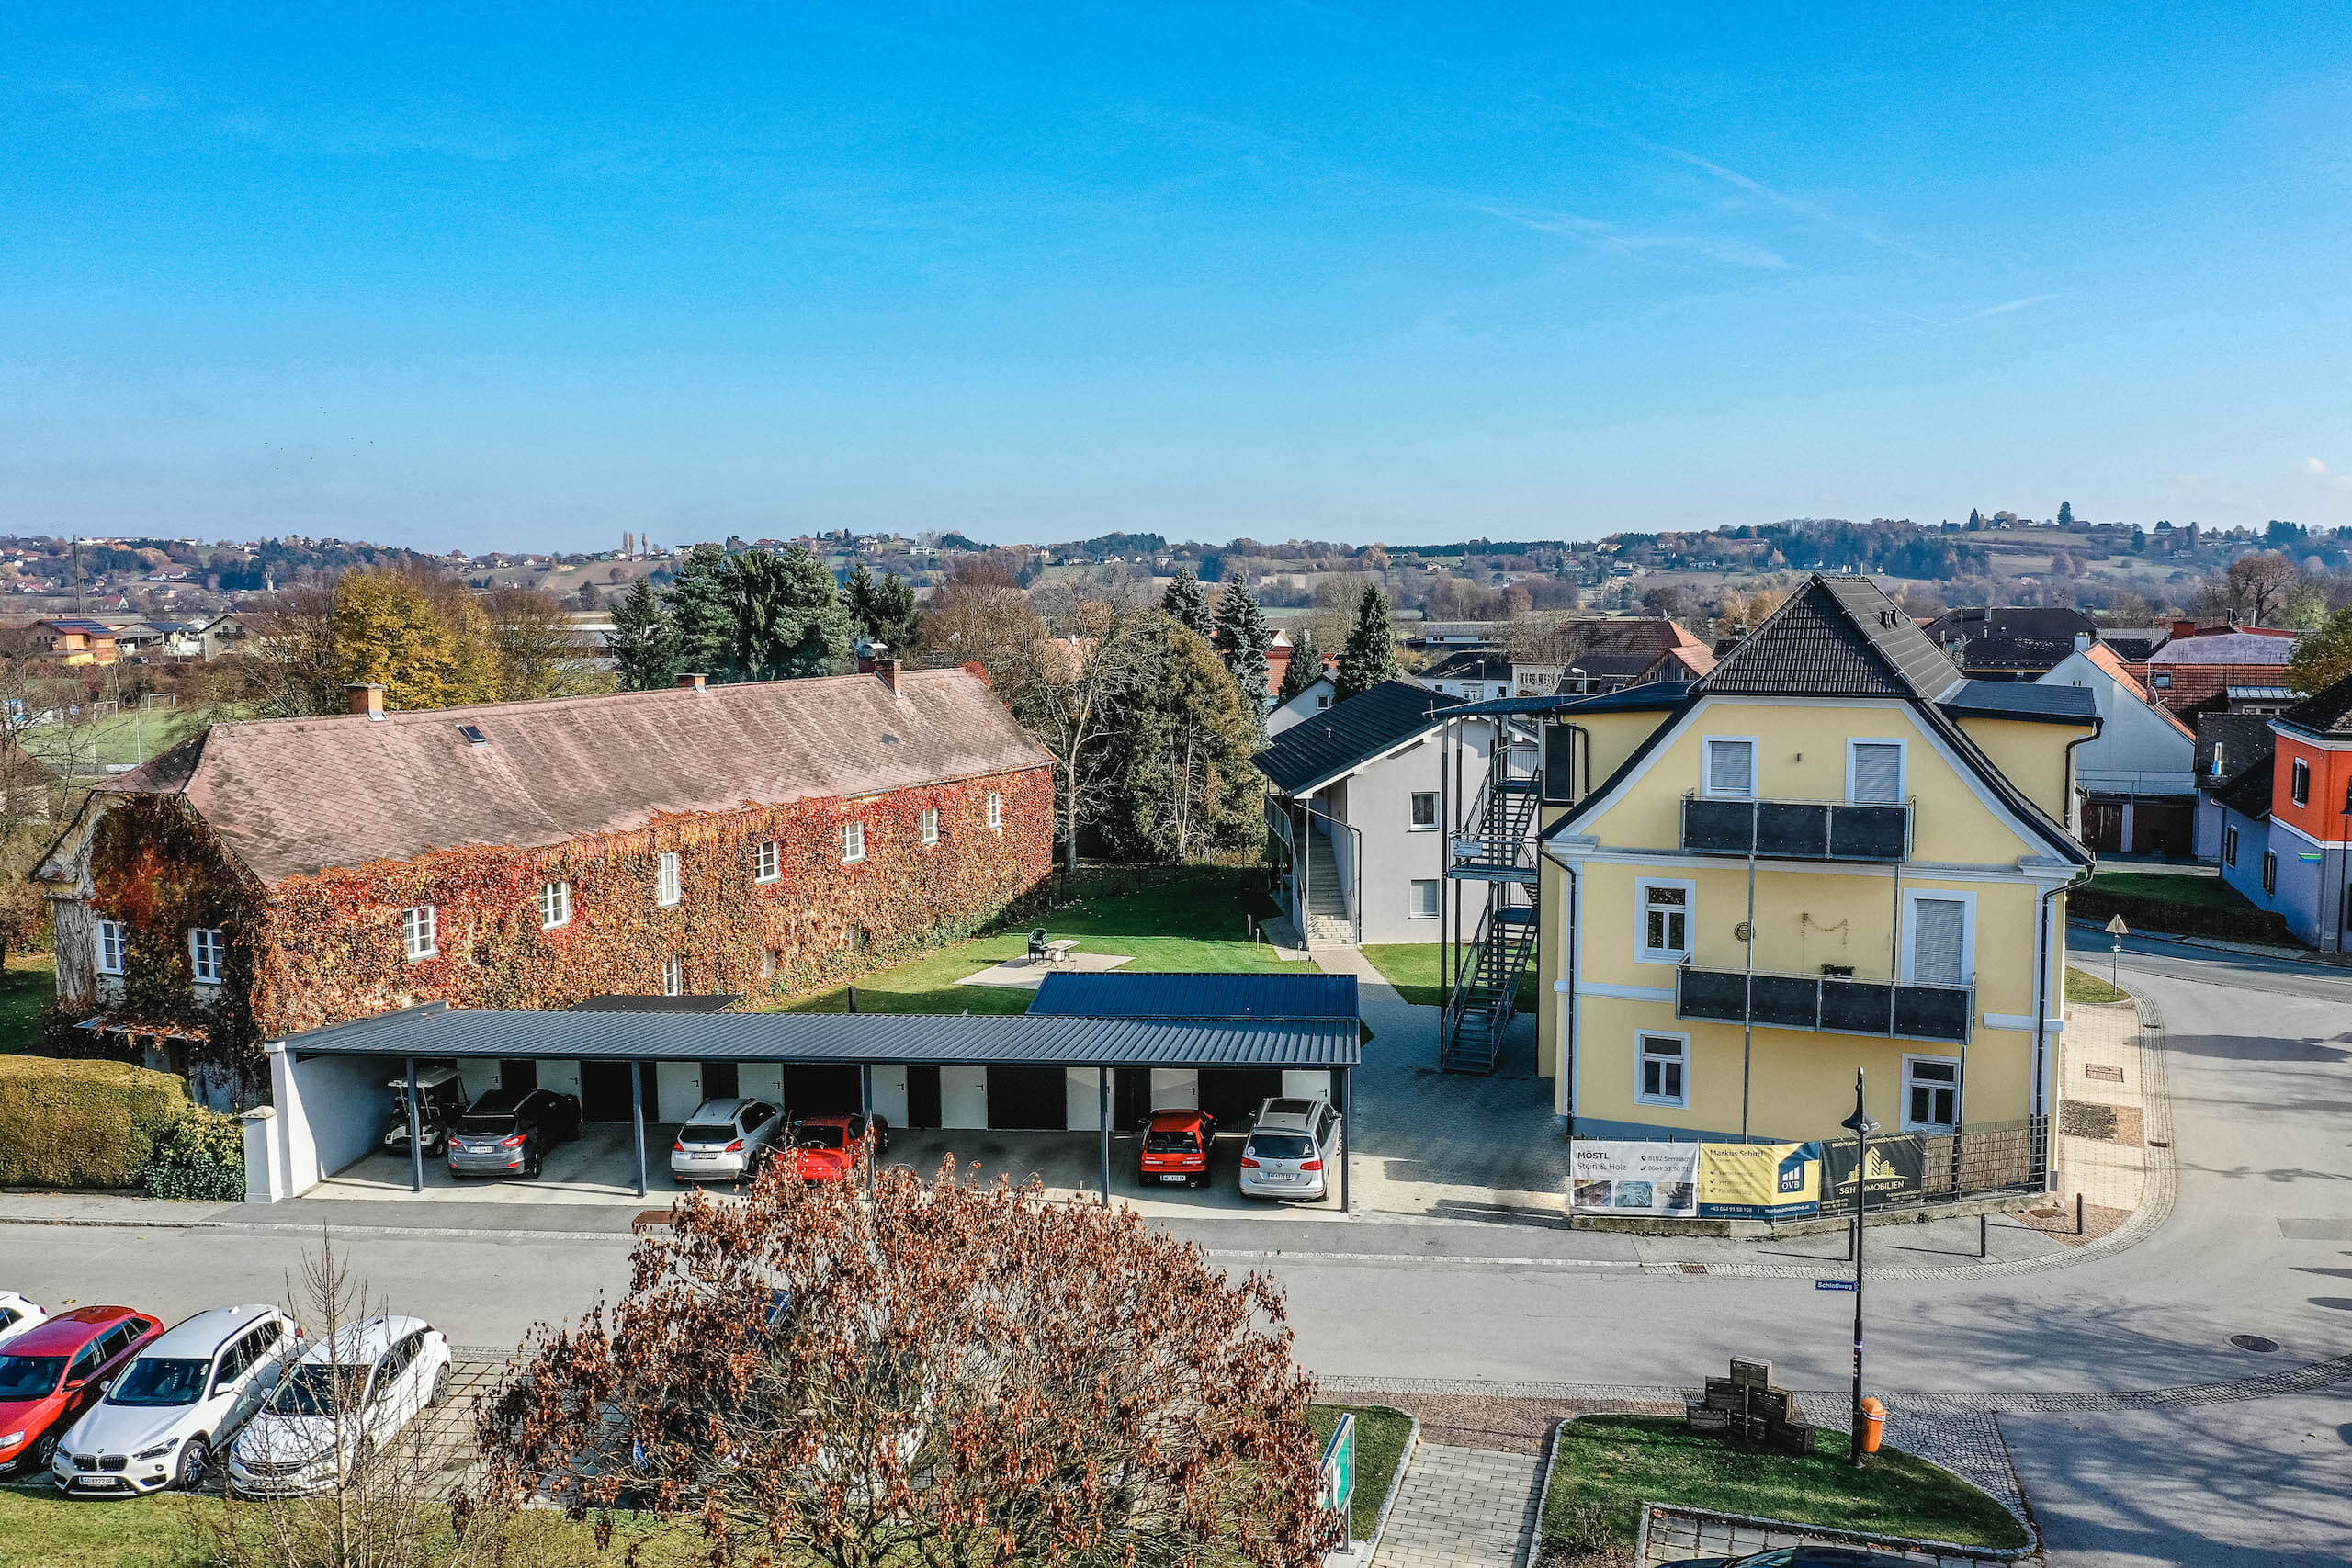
2041,1026
1748,1009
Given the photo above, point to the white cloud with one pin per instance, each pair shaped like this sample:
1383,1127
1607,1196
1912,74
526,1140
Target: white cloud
2314,468
1730,253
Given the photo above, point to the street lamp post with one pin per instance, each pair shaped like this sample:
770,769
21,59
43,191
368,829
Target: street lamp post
1863,1126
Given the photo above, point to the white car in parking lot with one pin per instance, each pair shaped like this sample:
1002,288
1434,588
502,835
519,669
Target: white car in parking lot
176,1405
725,1140
1290,1149
344,1397
19,1314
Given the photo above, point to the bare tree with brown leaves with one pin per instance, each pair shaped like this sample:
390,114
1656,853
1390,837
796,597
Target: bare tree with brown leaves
937,1375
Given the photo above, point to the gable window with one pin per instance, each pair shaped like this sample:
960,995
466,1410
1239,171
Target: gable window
1940,939
1425,809
1666,922
2229,846
1874,772
2270,871
996,811
665,879
1322,699
555,906
852,842
768,865
208,950
1731,769
1425,897
420,932
673,976
1930,1094
2298,784
1665,1070
112,945
931,826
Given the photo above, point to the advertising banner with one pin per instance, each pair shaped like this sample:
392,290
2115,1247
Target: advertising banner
1622,1178
1896,1169
1759,1182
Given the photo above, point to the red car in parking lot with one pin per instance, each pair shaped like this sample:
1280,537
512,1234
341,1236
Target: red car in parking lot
50,1375
1176,1149
826,1148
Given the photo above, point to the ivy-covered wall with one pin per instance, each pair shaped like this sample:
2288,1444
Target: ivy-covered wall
318,950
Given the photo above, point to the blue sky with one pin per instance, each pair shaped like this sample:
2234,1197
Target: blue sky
528,278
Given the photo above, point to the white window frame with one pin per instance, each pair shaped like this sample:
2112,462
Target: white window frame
767,862
665,880
1642,951
555,906
930,825
673,976
1902,767
852,842
113,935
1412,803
2299,781
421,921
1413,911
1707,744
1932,1128
996,812
1911,897
2271,874
1641,1068
2229,845
208,954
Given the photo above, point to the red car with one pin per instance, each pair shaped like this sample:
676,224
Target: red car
50,1375
826,1148
1177,1146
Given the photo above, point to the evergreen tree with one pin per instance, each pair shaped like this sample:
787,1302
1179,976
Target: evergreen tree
2065,514
786,618
1306,664
1976,519
1370,656
1189,603
1186,786
1242,639
884,609
701,614
643,641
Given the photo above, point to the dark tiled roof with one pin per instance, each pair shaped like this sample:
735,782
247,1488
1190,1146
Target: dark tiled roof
2324,711
2034,653
1650,698
2135,643
2243,739
293,796
2023,699
1196,995
1836,637
1470,665
1584,638
2029,622
2249,794
1347,734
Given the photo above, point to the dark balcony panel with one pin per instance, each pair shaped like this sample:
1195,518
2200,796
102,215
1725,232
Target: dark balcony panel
1931,1013
1718,827
1712,994
1869,832
1857,1006
1784,1001
1798,829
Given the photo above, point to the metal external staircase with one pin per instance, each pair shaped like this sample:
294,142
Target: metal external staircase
1496,847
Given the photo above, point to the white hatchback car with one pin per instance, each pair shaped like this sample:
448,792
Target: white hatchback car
180,1402
725,1140
1290,1149
19,1314
344,1397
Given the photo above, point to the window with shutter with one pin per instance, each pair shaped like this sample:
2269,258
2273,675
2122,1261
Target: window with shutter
1877,772
1731,769
1938,942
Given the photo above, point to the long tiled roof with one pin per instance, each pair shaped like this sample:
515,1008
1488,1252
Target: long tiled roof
1836,636
2249,794
2255,649
298,796
2243,739
1346,735
2325,712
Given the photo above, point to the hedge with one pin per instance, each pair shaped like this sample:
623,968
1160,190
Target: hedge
82,1124
2243,924
201,1155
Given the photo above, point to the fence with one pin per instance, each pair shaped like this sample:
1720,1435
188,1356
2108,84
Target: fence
1973,1162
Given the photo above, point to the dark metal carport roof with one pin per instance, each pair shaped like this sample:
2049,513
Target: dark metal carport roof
1024,1040
1197,996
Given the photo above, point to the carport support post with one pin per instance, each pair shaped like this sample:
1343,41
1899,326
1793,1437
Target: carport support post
1102,1118
415,1135
637,1118
866,1105
1347,1142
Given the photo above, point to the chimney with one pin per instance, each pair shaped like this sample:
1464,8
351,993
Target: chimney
888,670
692,682
2184,628
364,698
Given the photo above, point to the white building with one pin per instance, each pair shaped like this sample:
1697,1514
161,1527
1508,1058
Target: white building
1317,697
2138,774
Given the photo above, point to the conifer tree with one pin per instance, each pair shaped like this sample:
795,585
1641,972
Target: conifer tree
1242,639
643,641
1188,601
1370,656
884,609
1306,664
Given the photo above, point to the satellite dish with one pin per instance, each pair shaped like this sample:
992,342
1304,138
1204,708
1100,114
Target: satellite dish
2116,927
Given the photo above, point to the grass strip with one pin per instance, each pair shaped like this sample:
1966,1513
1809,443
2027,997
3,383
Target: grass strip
1380,1448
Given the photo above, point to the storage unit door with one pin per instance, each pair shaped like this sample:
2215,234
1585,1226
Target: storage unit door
825,1091
1082,1099
963,1097
1232,1094
890,1097
562,1078
1027,1100
761,1081
1175,1089
2162,828
680,1090
603,1091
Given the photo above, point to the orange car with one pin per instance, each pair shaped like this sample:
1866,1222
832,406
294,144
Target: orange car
826,1148
1177,1146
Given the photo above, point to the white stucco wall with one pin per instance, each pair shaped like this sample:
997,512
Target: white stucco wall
1303,707
331,1112
2137,750
1377,802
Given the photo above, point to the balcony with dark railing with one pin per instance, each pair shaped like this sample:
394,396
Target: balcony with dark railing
1796,829
1835,1004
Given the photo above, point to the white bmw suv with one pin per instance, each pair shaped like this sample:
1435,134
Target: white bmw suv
176,1405
1290,1149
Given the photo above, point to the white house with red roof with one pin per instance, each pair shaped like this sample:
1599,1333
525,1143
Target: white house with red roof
2138,776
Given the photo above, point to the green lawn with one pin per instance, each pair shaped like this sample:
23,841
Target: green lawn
1617,1462
2082,986
1380,1447
1199,920
1411,967
27,986
121,739
2207,892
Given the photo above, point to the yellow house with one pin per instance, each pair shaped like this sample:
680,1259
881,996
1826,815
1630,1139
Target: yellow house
1832,852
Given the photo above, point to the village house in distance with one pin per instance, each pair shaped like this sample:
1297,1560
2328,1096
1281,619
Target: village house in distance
282,874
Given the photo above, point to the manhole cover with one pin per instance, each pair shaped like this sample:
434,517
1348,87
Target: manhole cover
2253,1342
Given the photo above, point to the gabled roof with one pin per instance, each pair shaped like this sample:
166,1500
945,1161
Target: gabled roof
295,796
2111,664
2040,622
2243,739
1836,636
1346,735
1578,641
2324,711
2249,793
2243,648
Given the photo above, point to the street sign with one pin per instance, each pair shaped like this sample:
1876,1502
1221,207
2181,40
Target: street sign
1339,1468
1835,1285
2116,927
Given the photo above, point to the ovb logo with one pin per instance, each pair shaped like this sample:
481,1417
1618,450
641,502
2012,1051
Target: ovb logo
1792,1169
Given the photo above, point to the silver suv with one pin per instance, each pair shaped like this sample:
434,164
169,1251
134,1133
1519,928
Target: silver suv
1291,1147
725,1140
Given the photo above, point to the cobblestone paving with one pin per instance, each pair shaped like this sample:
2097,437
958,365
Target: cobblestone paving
1462,1508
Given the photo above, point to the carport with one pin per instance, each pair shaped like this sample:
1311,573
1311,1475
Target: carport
329,1104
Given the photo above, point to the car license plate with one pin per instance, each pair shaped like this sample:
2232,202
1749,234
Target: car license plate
1172,1176
102,1483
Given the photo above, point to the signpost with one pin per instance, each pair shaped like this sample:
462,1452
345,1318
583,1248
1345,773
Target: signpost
1862,1126
1338,1487
2119,931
